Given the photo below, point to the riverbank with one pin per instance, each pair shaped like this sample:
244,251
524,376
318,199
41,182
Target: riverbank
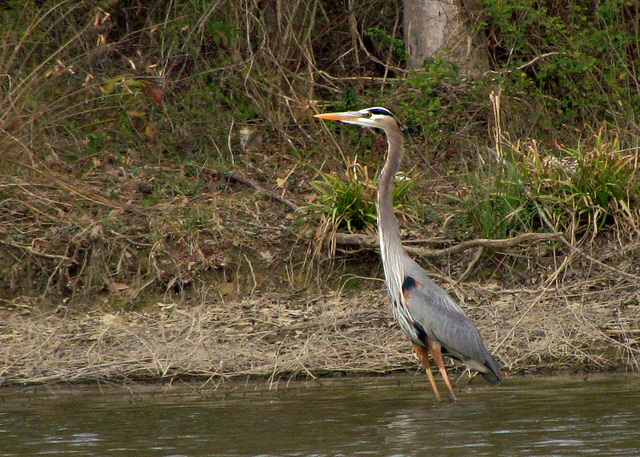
278,336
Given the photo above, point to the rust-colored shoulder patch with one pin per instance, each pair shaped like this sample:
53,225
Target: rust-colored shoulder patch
407,286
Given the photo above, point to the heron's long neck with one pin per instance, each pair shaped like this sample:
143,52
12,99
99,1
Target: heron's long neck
390,244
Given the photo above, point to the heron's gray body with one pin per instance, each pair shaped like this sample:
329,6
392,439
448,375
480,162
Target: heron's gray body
424,311
434,315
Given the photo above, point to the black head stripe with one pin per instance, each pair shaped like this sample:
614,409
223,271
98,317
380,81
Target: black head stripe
381,111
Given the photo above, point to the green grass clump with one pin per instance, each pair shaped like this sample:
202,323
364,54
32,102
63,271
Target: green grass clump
604,177
497,205
349,203
589,189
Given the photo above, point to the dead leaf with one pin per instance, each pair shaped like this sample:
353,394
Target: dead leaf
151,133
155,93
137,114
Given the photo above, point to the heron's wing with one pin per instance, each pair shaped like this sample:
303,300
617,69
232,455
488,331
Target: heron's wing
440,318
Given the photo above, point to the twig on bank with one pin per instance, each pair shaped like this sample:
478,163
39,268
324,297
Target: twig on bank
30,250
472,264
234,178
371,242
528,64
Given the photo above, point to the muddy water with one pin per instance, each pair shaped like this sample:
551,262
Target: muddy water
392,416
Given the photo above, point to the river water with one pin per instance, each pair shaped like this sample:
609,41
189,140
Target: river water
389,416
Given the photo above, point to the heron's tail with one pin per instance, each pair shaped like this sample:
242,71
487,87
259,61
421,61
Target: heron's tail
493,374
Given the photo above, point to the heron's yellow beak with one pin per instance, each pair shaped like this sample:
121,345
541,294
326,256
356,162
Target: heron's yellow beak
346,116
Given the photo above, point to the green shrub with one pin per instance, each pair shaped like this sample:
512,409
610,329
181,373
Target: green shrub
574,58
497,204
350,203
583,192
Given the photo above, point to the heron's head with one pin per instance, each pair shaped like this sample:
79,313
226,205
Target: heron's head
375,117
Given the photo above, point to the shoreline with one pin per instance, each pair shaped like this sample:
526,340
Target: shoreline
274,337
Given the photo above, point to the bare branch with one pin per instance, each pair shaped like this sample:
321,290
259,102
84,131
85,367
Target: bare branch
371,242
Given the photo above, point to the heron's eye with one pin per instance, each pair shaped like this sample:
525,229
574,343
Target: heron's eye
368,114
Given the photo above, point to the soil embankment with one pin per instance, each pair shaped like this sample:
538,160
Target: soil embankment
278,336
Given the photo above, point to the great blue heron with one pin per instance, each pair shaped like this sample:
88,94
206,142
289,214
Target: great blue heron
427,314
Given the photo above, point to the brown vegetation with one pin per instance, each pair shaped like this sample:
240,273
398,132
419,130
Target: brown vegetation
581,328
159,220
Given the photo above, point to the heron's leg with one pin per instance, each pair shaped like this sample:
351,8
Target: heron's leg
436,351
423,356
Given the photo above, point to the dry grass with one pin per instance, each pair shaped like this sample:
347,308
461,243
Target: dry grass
263,337
576,328
95,241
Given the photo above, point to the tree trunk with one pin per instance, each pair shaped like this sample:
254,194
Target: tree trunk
444,28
